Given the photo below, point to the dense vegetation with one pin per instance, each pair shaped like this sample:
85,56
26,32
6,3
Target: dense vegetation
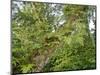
52,37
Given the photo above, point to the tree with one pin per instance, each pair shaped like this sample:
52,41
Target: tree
76,45
51,37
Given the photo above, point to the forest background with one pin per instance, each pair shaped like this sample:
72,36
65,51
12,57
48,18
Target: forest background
52,37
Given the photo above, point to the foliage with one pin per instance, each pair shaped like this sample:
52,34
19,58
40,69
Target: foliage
52,37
